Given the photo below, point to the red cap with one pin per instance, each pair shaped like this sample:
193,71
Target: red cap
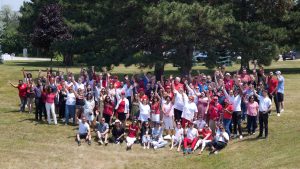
123,93
118,85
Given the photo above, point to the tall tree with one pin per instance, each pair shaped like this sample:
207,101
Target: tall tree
49,28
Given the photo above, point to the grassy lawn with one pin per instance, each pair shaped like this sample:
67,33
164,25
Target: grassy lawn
27,144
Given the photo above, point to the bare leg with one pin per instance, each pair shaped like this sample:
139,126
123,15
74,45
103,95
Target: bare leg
179,145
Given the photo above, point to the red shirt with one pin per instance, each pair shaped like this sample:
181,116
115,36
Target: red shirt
245,78
50,97
214,111
228,84
121,107
155,108
272,83
22,90
132,131
226,114
108,109
206,132
177,86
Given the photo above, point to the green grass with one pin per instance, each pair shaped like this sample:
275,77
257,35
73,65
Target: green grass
27,144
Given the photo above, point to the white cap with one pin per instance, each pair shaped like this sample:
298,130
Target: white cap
278,72
227,74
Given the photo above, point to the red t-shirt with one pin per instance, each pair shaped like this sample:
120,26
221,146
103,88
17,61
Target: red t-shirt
121,107
272,83
22,90
245,78
226,114
50,97
108,109
132,131
214,111
155,108
207,132
228,84
177,86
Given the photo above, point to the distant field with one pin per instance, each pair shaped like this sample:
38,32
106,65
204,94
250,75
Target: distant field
27,144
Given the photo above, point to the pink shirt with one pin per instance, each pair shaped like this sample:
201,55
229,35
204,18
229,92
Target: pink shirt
50,98
252,109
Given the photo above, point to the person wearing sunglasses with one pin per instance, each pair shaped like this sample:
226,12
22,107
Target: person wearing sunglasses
220,141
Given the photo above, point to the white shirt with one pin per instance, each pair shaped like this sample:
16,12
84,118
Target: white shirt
179,133
71,99
178,103
144,109
83,128
220,138
89,106
264,103
191,133
189,110
200,124
79,86
128,90
235,101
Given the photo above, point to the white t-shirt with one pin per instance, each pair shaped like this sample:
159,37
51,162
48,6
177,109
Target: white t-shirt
179,133
83,128
220,138
71,99
79,86
144,109
200,124
178,103
191,133
264,103
69,84
189,110
236,102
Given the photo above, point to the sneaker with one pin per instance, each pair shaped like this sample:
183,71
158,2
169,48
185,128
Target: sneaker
155,147
184,151
282,110
144,147
89,142
253,133
148,147
259,136
167,137
216,152
100,142
79,143
241,137
105,143
189,150
278,114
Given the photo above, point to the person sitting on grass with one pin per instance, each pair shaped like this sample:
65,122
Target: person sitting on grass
157,138
220,141
191,138
102,130
146,134
84,131
207,138
178,137
118,132
132,134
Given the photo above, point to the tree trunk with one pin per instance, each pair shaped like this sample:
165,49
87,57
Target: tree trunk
159,69
245,63
68,59
187,61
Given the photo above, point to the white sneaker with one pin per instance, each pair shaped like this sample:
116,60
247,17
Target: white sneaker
216,152
282,110
278,114
144,147
241,137
155,147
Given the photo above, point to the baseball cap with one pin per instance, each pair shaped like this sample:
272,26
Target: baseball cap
278,72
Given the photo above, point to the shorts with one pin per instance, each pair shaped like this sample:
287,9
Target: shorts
156,117
82,135
280,97
130,140
144,117
177,139
168,122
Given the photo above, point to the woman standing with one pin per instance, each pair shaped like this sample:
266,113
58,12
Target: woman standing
155,108
122,108
189,110
30,95
88,108
168,116
50,97
108,110
22,93
79,102
252,111
144,110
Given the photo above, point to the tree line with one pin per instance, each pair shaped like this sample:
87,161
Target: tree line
106,32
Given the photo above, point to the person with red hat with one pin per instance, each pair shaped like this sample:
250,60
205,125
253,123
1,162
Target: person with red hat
227,116
122,108
214,112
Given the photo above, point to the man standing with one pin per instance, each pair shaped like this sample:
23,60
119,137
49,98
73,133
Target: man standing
272,89
265,106
280,91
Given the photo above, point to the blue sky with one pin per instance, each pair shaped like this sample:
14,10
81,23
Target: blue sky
14,4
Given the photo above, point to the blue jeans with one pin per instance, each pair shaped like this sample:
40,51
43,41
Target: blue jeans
23,103
251,124
227,123
70,111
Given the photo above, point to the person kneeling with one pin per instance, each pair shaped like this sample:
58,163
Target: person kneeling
220,140
132,133
84,131
157,138
191,138
102,129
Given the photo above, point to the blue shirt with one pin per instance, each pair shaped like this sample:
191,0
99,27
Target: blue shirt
280,87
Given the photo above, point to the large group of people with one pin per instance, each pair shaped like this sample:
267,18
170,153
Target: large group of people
189,112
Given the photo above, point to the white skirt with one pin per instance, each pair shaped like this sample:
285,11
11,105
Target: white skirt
168,121
130,140
156,117
144,117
